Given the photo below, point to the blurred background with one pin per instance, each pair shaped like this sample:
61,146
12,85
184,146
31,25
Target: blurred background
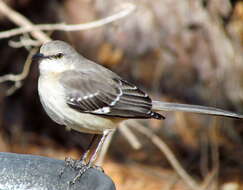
188,51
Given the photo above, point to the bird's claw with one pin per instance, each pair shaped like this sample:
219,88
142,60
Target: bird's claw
69,162
80,166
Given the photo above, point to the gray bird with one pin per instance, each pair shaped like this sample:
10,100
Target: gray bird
89,98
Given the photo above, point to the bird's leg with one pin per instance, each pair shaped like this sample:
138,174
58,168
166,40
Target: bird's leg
69,162
99,147
84,168
77,165
87,151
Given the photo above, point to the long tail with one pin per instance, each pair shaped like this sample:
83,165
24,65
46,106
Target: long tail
163,106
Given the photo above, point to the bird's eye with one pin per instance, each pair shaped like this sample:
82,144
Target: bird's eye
59,55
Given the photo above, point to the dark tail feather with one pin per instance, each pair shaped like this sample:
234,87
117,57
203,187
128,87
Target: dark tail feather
156,115
164,106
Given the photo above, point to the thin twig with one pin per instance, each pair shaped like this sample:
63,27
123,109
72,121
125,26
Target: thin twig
209,180
214,129
22,21
129,8
13,88
128,134
168,153
17,78
23,74
24,43
35,30
204,149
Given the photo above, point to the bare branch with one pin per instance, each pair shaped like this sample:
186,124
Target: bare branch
210,179
20,20
129,8
22,75
128,134
17,79
24,42
36,32
13,88
168,153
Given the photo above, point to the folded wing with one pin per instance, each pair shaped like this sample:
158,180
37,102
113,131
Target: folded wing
89,92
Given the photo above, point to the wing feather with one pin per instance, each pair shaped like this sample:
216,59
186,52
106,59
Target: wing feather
87,93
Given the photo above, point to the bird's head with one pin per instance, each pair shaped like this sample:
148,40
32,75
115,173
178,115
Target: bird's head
55,57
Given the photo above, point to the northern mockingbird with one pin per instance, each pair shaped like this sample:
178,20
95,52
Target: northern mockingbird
89,98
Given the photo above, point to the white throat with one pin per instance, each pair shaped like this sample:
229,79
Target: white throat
52,66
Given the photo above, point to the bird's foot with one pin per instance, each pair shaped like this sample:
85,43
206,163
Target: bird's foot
80,166
69,162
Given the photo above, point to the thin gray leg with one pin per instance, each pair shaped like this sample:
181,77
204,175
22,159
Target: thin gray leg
86,153
98,149
83,168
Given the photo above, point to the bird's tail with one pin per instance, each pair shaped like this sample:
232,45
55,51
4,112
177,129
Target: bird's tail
164,106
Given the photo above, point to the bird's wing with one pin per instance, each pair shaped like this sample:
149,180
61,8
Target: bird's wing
91,92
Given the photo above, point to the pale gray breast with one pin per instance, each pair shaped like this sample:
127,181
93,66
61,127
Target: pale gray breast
50,93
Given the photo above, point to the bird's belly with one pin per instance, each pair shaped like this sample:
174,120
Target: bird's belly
53,100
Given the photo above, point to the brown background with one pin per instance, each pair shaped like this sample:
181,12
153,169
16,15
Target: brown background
179,51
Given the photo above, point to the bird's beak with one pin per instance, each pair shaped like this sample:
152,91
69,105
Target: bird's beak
38,57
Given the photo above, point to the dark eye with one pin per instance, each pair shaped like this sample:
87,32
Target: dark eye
59,55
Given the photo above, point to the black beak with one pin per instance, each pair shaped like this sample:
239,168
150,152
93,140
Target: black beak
38,57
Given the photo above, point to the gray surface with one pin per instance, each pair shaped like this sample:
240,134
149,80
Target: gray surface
20,172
